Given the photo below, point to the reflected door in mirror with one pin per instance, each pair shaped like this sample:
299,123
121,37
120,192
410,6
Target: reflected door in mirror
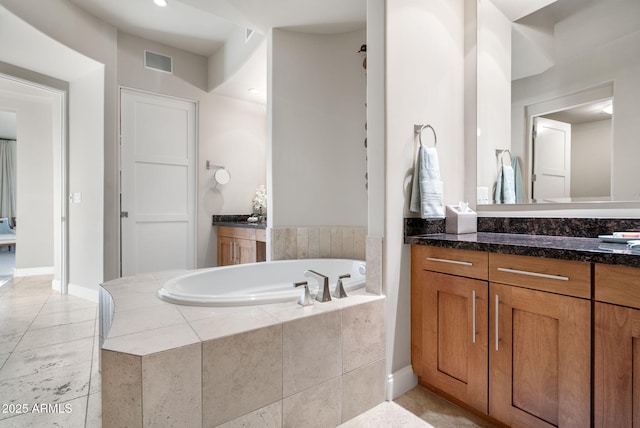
551,159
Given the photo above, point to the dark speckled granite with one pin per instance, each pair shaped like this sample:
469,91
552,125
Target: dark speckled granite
418,226
576,227
236,221
556,247
568,239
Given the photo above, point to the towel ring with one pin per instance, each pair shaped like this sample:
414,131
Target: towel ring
502,157
419,128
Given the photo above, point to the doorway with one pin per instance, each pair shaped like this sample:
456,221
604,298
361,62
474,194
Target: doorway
41,176
157,183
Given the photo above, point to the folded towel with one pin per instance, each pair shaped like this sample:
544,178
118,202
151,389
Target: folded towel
505,186
426,193
521,192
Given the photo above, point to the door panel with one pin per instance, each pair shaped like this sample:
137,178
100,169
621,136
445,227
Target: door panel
535,365
551,159
617,366
158,170
540,362
454,355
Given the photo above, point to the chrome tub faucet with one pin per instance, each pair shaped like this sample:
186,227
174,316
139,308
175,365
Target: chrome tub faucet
324,295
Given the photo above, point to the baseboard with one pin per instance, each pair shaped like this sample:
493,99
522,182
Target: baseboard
83,292
77,291
400,382
47,270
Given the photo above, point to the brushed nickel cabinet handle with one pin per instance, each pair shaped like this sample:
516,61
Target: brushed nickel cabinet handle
473,309
497,321
455,262
537,274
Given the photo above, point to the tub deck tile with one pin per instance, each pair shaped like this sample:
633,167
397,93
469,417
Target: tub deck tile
229,324
152,341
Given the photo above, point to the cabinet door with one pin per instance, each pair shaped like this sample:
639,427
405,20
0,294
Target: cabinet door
225,251
454,336
616,366
539,353
245,251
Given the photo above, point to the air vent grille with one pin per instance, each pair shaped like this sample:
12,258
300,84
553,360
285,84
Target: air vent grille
158,62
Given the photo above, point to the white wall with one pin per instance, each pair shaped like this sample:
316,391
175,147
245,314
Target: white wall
317,113
231,132
35,191
95,40
603,45
591,160
86,176
229,59
424,84
494,90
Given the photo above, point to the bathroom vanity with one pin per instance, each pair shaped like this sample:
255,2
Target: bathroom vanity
503,324
239,241
237,245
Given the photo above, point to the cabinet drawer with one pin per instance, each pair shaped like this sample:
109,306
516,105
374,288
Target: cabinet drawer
472,264
570,278
618,284
237,232
261,235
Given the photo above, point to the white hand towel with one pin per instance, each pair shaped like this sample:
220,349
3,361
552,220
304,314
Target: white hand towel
426,194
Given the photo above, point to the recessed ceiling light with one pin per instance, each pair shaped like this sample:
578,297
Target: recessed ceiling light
161,3
253,90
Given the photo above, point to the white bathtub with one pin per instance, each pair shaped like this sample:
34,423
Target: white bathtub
258,283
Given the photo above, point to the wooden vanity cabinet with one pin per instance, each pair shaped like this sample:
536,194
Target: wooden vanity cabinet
617,347
539,341
237,245
449,322
509,336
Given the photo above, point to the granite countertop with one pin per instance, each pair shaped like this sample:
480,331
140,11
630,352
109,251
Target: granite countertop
237,221
558,247
240,224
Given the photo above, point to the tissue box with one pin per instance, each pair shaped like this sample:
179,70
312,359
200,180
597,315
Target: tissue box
460,222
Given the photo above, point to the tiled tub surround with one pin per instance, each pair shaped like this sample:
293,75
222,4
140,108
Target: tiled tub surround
270,365
318,242
587,249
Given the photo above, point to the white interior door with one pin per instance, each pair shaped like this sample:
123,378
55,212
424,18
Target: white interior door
551,159
158,173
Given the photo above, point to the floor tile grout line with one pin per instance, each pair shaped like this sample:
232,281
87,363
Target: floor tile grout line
36,349
29,328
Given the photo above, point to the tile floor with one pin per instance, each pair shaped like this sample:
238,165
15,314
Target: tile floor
48,357
49,365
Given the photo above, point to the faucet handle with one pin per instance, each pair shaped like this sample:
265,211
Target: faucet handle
305,299
339,292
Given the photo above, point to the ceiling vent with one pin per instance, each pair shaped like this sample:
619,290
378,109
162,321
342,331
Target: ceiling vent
156,61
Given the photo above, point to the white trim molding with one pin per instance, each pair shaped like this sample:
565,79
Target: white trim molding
47,270
77,291
400,382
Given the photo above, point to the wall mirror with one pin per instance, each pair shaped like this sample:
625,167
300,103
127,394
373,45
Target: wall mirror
558,87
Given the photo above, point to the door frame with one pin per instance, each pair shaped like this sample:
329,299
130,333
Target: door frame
559,103
61,192
196,104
